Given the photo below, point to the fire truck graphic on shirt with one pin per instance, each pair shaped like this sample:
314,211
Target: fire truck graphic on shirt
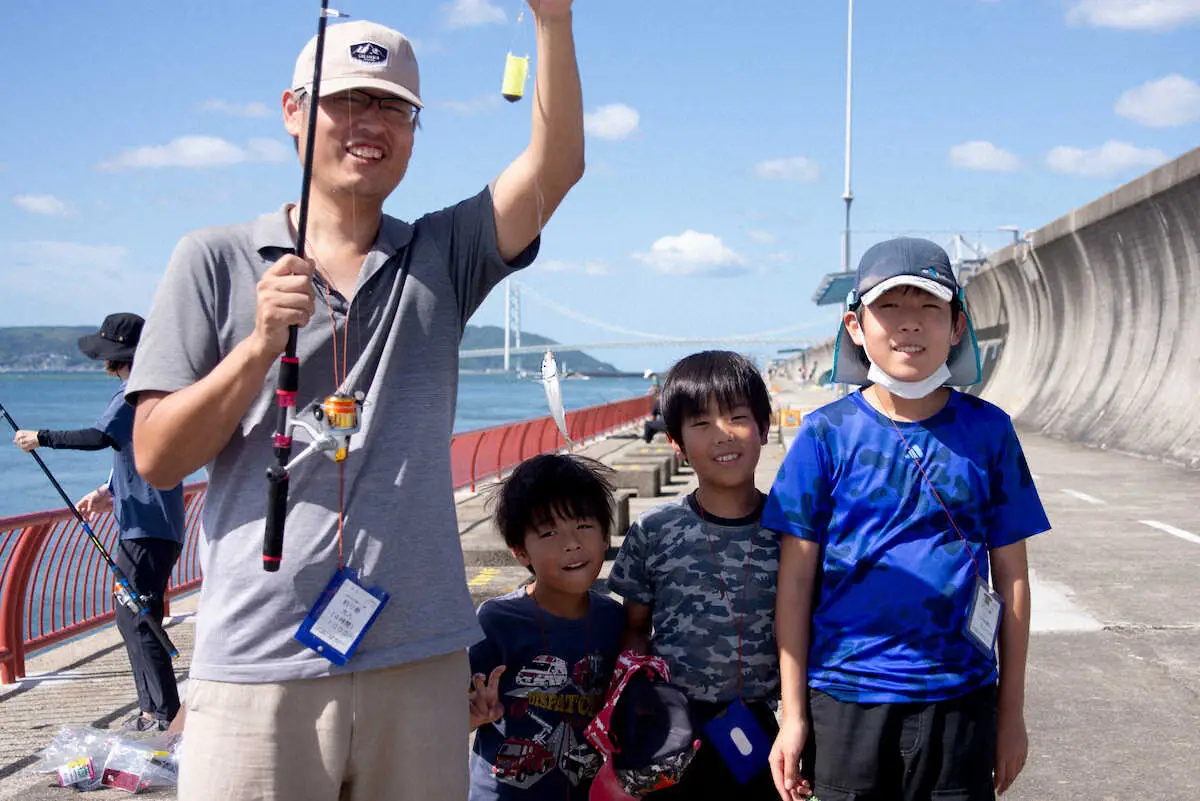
548,688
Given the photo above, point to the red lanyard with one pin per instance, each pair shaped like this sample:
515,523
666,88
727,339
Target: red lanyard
587,647
909,452
725,587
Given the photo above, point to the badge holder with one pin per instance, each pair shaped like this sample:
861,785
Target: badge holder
740,740
341,617
983,617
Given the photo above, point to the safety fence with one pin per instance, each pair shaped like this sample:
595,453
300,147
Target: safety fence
488,452
54,585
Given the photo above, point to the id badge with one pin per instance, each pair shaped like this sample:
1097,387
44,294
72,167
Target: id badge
983,618
740,740
341,616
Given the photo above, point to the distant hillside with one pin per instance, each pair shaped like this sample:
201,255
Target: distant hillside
492,336
46,348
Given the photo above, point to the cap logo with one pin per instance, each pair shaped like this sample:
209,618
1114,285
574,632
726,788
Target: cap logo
369,53
932,273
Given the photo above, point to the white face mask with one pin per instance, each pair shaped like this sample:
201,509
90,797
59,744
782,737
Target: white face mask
911,390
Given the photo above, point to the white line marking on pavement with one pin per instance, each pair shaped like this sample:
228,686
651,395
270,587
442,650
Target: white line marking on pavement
1178,532
1083,496
1051,609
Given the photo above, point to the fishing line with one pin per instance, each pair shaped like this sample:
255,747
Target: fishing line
516,68
123,589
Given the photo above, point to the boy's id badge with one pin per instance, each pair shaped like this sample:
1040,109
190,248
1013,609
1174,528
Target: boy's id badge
341,616
983,618
740,741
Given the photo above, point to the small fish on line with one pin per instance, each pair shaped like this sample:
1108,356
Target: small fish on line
554,394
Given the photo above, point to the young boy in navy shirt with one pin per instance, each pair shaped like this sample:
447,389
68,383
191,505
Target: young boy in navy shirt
904,510
541,672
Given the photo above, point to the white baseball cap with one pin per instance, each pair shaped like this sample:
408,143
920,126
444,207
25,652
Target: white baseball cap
361,55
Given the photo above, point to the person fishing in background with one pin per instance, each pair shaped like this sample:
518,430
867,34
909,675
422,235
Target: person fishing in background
151,521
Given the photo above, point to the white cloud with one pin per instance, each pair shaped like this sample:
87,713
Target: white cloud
1162,103
761,237
614,121
252,109
473,14
1142,15
42,204
1107,161
198,152
589,267
473,107
983,157
795,168
693,253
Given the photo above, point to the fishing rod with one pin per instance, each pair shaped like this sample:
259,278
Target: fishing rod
278,475
123,589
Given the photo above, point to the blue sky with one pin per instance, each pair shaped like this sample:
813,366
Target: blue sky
712,202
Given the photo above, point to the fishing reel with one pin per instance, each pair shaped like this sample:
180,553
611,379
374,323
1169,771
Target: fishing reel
126,597
329,425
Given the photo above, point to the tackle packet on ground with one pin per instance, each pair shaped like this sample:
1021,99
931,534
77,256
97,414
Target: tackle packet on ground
76,756
136,765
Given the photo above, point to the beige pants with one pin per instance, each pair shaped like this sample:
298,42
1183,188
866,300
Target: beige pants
395,733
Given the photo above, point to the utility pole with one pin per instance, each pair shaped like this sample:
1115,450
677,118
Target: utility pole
848,195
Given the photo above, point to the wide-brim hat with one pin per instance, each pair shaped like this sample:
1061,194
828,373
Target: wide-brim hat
361,55
911,262
116,340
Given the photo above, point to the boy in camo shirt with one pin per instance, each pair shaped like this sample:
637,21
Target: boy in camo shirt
698,573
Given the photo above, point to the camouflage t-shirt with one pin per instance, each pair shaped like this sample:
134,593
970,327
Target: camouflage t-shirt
667,563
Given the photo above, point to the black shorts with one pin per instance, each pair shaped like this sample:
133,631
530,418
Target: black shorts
943,750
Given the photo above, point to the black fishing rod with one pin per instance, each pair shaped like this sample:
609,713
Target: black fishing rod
289,364
123,589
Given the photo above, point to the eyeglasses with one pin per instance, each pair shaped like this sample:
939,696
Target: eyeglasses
393,109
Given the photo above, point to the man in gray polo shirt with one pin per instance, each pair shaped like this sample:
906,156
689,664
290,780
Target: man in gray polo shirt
385,301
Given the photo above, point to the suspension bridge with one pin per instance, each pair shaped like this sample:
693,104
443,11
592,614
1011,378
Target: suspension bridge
513,291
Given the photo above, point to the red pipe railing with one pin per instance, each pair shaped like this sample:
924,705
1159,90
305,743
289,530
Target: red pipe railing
48,566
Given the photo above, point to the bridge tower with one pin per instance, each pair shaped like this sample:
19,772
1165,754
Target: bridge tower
966,259
512,318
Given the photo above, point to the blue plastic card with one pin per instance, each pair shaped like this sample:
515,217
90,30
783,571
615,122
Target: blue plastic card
740,741
341,616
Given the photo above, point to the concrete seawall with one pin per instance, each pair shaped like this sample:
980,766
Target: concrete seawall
1090,330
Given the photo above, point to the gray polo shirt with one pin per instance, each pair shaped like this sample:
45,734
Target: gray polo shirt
401,532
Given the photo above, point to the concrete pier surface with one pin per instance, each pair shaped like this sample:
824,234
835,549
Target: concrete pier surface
1113,700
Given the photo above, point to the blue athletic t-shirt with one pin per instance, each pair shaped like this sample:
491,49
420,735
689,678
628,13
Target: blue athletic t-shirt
558,671
895,581
141,510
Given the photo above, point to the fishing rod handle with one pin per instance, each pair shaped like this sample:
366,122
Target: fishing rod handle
160,634
277,501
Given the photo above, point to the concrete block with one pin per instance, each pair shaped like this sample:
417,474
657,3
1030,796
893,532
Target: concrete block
641,478
621,512
662,463
655,450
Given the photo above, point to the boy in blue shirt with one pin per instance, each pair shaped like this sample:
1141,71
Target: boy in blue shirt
895,504
550,648
698,576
